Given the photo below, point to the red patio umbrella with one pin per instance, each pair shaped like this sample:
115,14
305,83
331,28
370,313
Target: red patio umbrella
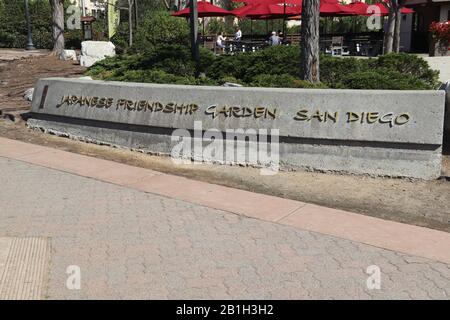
331,8
327,7
205,9
384,10
256,2
265,11
269,11
360,8
240,12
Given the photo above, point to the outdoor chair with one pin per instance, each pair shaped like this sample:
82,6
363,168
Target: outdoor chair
337,44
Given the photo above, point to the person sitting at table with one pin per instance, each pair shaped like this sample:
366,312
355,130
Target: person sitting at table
220,42
274,40
283,39
238,34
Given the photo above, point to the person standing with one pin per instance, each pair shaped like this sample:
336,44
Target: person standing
238,34
274,39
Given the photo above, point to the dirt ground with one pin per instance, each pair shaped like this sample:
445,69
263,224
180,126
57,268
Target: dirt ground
424,203
19,70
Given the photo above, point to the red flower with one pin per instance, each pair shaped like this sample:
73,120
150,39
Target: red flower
440,30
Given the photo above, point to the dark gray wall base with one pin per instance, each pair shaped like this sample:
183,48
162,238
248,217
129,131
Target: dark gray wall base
377,160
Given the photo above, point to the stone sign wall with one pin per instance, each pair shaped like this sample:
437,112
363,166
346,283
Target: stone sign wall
393,133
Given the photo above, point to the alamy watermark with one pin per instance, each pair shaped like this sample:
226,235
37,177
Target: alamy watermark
73,13
73,281
253,147
373,282
374,19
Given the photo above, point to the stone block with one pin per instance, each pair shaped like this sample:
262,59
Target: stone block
98,49
375,132
87,61
68,55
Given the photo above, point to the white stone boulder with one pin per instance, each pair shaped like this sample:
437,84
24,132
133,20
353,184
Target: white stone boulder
68,55
28,94
87,61
93,51
98,49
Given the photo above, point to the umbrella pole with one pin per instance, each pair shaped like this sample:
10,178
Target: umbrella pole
284,17
267,26
354,24
193,21
251,29
203,38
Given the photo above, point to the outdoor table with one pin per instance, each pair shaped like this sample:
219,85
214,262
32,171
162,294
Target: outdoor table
359,45
244,46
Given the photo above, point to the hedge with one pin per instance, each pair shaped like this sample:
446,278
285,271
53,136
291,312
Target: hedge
272,67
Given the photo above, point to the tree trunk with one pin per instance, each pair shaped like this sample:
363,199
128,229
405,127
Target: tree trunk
130,23
389,36
57,7
167,4
397,25
309,42
193,21
136,14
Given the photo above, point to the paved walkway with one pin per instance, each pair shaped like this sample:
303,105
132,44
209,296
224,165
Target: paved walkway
183,239
442,64
15,54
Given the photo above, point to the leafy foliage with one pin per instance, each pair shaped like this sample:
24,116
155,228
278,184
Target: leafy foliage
282,81
407,64
383,79
272,67
13,29
246,66
159,28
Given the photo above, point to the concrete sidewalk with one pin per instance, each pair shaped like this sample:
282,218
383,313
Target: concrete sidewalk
15,54
441,64
137,233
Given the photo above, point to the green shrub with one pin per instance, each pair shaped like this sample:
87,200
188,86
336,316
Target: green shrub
273,80
333,69
73,39
272,67
383,79
409,69
407,64
154,76
215,26
120,38
246,66
160,28
282,81
172,59
13,29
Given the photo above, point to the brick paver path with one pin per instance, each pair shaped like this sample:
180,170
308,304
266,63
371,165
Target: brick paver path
131,244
